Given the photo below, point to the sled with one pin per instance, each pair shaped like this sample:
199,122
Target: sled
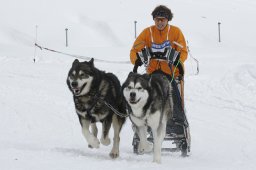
177,138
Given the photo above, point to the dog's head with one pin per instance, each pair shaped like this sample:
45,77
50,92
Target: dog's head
136,89
80,77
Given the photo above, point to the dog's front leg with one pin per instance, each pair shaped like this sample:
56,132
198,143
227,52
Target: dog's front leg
158,135
144,145
94,129
91,139
105,130
116,140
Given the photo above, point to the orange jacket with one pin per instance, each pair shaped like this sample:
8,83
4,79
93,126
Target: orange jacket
144,40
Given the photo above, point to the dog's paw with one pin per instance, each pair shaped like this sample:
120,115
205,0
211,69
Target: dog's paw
148,147
94,143
157,160
140,149
114,154
105,141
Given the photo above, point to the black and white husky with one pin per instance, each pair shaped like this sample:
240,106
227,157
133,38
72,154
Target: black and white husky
93,92
149,104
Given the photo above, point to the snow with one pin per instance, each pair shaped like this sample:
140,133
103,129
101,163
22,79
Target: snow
39,127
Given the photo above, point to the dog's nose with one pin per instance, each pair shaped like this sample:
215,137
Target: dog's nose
74,84
132,95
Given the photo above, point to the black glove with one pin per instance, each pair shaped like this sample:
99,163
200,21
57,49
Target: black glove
138,61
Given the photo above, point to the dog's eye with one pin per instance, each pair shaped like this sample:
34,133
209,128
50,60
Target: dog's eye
129,87
84,75
72,77
139,88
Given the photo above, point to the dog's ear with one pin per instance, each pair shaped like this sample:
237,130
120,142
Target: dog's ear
147,79
146,76
130,74
91,62
75,62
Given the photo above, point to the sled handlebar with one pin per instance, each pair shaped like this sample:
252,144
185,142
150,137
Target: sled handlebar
180,67
135,68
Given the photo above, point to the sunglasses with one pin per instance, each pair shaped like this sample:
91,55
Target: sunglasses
160,19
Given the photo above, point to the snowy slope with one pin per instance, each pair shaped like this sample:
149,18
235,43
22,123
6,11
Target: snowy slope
38,125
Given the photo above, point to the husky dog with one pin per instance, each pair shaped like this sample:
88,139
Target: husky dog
94,91
149,104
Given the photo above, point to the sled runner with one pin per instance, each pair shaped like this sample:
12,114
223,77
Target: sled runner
177,135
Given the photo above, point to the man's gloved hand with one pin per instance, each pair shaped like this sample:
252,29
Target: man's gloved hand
138,61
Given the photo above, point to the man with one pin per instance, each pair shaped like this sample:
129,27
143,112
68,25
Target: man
157,38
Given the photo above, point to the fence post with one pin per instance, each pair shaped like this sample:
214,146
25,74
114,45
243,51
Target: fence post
34,59
135,22
66,37
219,30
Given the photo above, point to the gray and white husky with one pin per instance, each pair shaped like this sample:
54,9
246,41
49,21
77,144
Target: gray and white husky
93,91
149,104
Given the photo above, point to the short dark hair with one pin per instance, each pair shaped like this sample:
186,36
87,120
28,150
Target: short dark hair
162,11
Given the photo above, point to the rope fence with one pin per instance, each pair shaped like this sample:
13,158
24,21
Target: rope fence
80,56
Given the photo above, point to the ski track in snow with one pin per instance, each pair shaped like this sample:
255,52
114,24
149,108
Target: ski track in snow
236,90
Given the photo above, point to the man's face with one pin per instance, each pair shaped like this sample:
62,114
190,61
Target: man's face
161,23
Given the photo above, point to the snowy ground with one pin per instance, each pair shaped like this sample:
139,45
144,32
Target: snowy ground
38,125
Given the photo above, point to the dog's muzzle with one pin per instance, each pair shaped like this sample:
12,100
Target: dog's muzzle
75,88
133,98
74,84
